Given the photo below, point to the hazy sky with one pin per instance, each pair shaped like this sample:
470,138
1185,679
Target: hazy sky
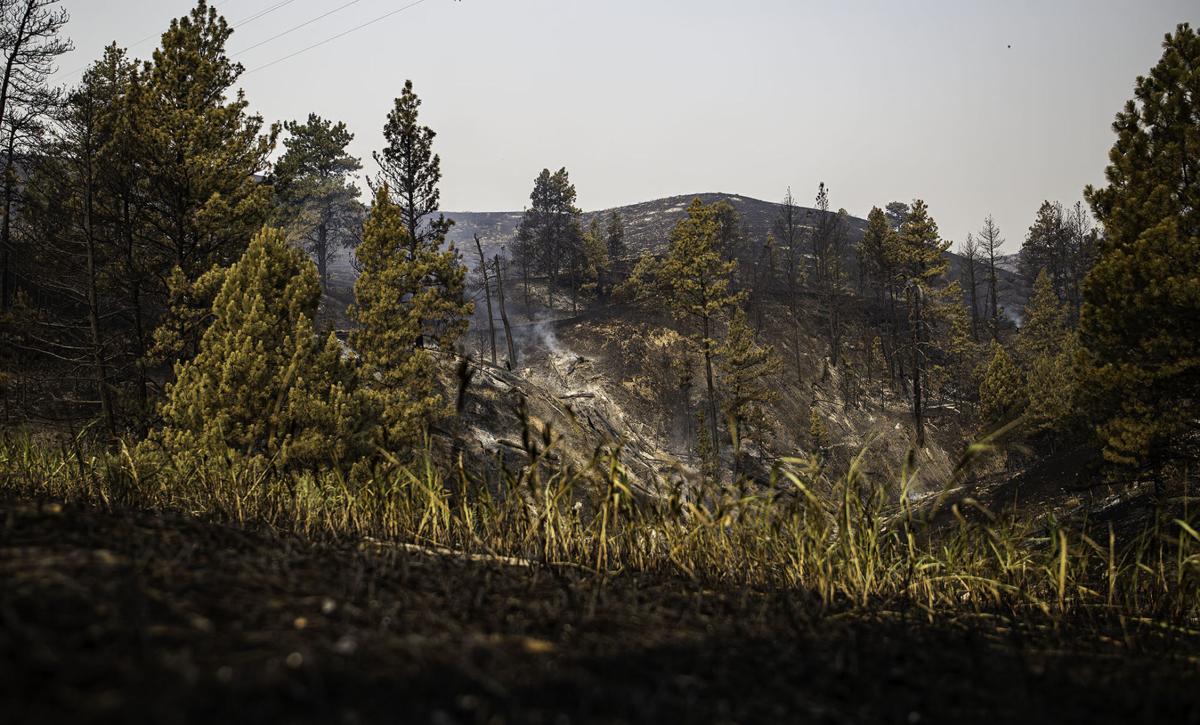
642,99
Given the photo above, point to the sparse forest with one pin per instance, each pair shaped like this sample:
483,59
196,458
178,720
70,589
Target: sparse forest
498,450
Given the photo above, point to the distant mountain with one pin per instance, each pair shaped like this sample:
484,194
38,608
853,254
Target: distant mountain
647,224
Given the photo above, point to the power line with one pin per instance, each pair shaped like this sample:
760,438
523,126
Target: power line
332,38
154,36
261,13
291,30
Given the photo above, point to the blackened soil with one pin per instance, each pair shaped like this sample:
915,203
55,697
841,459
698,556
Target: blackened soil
141,617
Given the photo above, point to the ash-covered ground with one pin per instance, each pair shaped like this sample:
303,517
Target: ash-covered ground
126,616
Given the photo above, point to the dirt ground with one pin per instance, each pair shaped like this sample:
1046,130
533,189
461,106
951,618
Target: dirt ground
121,616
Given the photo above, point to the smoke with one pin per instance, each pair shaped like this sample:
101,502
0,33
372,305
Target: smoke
538,336
543,331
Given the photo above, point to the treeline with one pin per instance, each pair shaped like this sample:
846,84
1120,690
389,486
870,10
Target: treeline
154,259
552,245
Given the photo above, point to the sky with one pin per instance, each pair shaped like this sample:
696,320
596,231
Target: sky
977,107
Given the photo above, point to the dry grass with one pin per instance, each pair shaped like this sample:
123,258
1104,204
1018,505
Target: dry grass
845,539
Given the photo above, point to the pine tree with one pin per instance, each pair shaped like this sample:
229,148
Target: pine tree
872,250
402,300
1045,327
133,264
897,212
879,248
787,236
1045,248
731,237
200,155
597,265
1082,238
746,371
990,242
315,196
694,283
1002,390
30,43
958,350
1142,299
970,252
89,271
820,238
263,385
549,236
918,254
828,241
788,233
408,166
1052,389
615,237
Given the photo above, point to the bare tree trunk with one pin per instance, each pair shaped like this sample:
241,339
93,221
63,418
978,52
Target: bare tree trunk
992,296
512,351
6,285
487,295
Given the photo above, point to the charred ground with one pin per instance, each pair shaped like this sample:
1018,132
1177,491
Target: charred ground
113,615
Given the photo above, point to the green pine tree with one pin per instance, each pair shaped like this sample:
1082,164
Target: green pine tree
1142,299
1002,390
409,167
1047,352
1045,247
405,297
315,197
200,154
615,237
872,249
549,237
693,282
747,372
1044,330
917,252
1052,388
597,265
263,385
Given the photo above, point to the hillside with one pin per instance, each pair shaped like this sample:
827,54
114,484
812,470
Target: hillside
648,224
605,373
